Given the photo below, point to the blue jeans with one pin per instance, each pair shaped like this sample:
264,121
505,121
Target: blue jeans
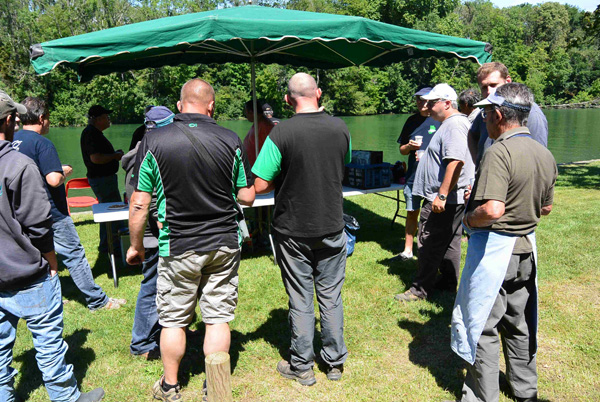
40,305
71,253
106,189
146,330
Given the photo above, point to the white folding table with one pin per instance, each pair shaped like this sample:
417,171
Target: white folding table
108,213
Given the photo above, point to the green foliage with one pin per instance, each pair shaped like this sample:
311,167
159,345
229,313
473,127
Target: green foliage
553,48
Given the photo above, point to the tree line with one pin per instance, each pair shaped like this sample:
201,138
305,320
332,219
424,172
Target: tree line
553,48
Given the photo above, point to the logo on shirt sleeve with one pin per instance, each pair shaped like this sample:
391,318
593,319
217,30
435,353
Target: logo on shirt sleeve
16,144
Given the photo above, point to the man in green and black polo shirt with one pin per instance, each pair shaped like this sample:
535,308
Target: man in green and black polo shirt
303,160
199,172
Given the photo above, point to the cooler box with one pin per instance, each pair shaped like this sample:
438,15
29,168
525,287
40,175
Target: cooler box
367,157
368,176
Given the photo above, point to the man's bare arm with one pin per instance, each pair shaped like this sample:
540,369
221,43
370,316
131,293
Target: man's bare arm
139,204
262,186
451,176
246,195
485,214
55,179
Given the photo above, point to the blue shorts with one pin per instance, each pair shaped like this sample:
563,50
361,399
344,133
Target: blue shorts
413,202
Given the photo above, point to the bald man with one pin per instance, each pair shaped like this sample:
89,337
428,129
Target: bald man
200,174
303,161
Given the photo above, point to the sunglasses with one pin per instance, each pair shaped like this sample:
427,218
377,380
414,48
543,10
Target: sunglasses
432,102
485,113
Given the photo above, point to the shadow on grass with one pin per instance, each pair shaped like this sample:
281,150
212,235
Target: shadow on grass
81,358
273,331
430,347
580,176
102,266
376,228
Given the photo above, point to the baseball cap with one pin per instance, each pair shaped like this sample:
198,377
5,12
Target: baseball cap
423,91
159,115
267,108
98,110
7,106
441,91
494,99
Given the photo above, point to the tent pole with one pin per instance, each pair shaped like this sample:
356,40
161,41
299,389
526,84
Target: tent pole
254,104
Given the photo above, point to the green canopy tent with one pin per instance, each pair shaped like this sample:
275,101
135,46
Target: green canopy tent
250,34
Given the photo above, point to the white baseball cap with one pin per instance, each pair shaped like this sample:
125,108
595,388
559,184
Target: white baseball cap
441,91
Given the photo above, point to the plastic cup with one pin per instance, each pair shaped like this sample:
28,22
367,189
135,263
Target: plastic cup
420,154
419,139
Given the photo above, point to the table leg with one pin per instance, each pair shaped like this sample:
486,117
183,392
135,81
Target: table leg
111,253
397,207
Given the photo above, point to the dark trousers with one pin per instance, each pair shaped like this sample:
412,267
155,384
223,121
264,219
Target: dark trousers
439,249
307,264
146,330
509,318
106,189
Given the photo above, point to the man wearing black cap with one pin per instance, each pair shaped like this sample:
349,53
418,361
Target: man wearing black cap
29,285
416,134
102,162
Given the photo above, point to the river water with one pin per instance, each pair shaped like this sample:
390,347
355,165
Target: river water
574,135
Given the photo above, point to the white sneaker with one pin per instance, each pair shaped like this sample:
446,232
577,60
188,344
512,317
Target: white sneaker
404,256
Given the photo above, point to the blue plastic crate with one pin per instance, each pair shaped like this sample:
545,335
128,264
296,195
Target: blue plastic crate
368,176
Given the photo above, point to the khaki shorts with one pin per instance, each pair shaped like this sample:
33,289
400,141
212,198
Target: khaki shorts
211,278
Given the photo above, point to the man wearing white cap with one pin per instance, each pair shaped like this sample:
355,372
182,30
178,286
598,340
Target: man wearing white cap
498,292
443,174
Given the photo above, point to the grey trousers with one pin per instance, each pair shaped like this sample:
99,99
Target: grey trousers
309,264
509,318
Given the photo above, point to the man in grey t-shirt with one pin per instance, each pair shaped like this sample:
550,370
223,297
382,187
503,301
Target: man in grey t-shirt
441,179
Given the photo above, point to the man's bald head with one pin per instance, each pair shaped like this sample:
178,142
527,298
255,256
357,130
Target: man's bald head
302,85
197,91
197,96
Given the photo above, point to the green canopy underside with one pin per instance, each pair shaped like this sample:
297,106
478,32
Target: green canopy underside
238,35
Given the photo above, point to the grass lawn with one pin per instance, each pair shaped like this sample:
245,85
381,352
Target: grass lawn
398,352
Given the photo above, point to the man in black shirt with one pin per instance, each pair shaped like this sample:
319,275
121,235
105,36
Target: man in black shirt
303,160
101,161
415,136
200,172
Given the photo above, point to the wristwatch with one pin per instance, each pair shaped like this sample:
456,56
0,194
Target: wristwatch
442,197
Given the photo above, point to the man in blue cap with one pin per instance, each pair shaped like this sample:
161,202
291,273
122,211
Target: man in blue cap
146,329
416,134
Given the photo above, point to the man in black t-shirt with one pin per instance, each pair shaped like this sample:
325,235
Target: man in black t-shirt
200,172
303,159
102,162
415,136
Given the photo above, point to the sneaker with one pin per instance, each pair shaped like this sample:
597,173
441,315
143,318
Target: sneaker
407,296
334,373
92,396
306,377
404,256
113,304
174,394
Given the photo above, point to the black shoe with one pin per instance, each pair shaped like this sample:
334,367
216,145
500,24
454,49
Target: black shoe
334,373
92,396
306,377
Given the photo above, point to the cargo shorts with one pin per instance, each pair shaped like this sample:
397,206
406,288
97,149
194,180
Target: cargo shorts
210,278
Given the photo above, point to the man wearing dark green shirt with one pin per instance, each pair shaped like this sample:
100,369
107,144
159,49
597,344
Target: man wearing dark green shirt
497,295
303,160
